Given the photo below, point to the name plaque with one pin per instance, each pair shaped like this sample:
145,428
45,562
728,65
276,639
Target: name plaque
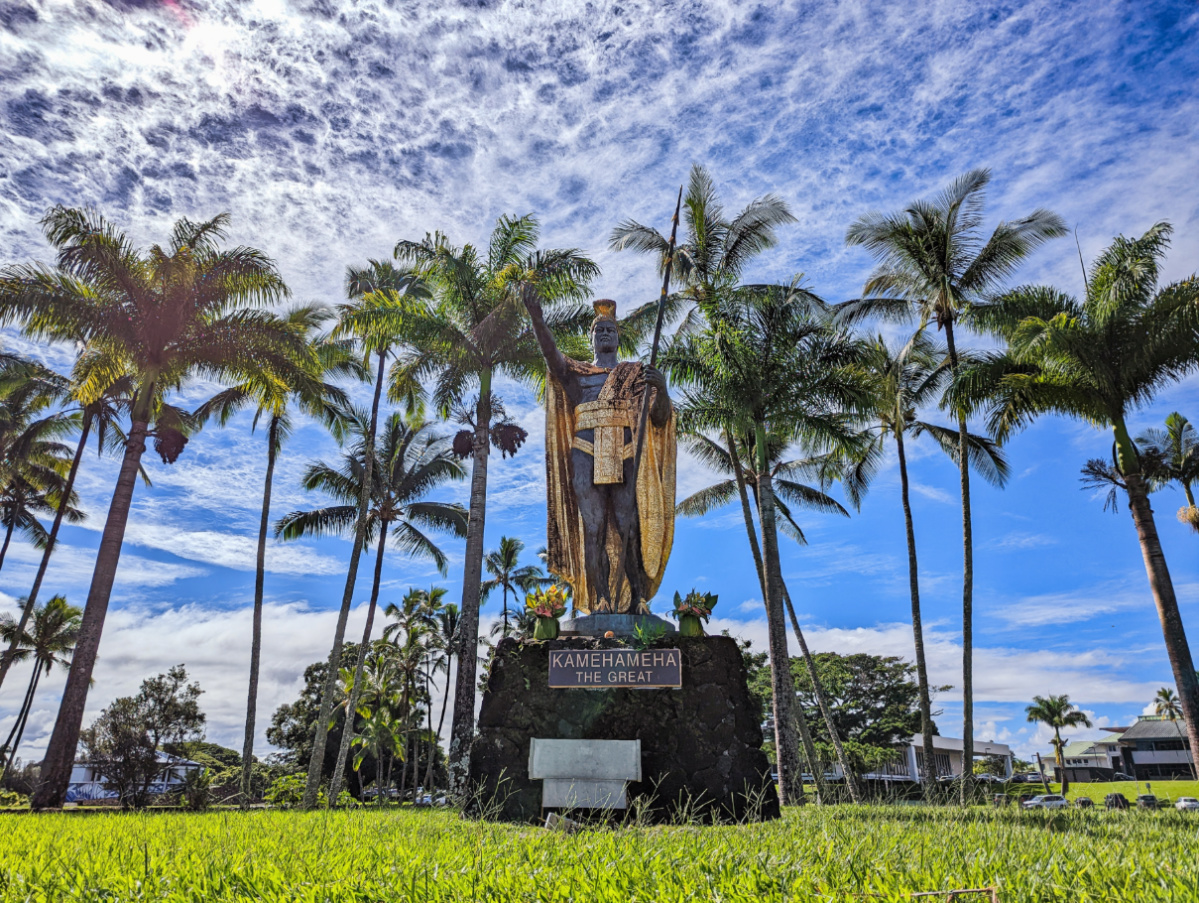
603,668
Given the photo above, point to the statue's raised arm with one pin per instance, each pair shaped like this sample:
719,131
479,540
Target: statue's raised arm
554,359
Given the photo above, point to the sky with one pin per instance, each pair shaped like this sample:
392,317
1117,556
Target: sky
331,130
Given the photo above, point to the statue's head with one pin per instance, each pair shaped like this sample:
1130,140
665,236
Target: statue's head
605,332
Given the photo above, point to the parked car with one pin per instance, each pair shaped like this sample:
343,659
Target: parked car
1025,797
1146,801
1029,777
1186,802
1121,776
1084,802
1115,801
1047,801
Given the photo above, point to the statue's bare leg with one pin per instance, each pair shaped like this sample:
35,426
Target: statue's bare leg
592,508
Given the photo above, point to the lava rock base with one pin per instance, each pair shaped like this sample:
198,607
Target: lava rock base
701,746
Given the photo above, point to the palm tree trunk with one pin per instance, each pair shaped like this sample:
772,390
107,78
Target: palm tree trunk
316,764
429,722
782,684
1162,587
24,719
31,600
1061,760
805,735
928,771
445,704
7,540
22,714
343,751
463,724
505,610
967,588
60,754
247,749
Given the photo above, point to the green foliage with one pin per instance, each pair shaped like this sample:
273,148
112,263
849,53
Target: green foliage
197,790
695,604
646,636
10,799
287,791
426,856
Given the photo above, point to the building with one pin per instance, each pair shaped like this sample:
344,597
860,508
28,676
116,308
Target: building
948,752
1090,760
87,784
1154,747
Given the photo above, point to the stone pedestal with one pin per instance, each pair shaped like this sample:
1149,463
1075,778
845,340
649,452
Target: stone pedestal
701,745
620,625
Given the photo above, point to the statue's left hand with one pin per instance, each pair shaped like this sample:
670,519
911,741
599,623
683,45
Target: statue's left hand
654,379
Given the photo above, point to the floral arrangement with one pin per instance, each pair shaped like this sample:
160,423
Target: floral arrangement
547,603
695,605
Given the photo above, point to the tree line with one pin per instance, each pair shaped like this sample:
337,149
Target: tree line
780,391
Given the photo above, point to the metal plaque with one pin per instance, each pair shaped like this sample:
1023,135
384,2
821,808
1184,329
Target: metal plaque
603,668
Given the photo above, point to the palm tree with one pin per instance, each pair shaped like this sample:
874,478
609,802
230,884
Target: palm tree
729,459
32,461
1057,712
503,565
933,264
443,642
474,329
101,416
1172,456
1165,705
375,291
408,462
711,258
770,363
907,381
159,317
50,640
272,396
1099,360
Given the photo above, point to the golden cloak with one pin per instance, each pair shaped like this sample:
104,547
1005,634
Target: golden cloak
655,501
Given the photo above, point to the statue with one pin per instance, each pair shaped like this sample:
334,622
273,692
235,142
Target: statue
597,504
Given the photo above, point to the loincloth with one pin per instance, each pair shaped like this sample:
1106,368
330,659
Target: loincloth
609,420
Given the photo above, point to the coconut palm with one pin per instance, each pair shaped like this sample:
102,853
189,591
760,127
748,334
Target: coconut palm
1057,712
730,459
49,641
933,264
375,292
907,381
1166,705
711,258
158,317
443,643
769,361
273,397
1100,359
1172,456
503,564
101,416
408,462
473,330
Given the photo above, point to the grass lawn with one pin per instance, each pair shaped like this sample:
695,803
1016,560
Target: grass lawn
832,853
1162,789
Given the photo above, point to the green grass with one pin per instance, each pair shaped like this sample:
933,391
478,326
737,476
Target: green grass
814,854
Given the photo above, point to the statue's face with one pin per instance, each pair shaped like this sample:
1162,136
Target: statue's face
605,338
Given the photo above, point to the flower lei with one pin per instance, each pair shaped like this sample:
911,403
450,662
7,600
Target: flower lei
547,603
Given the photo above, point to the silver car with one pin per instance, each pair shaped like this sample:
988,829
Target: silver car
1186,802
1047,801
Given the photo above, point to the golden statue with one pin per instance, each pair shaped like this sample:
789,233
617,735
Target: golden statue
597,504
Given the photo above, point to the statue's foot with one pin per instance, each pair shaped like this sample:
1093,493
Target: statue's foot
603,607
643,607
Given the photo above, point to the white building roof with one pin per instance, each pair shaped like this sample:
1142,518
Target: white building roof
954,744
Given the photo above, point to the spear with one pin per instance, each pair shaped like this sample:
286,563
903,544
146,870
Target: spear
653,360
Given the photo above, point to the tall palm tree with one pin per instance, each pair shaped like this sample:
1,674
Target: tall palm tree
49,641
907,381
160,317
1057,712
375,292
730,459
1099,359
101,416
443,643
473,330
408,462
32,460
1166,705
273,396
1172,456
507,574
711,258
933,264
770,362
416,616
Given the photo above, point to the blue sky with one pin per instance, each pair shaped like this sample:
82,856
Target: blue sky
331,130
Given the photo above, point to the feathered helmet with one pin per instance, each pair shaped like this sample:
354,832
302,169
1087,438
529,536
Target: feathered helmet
605,309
